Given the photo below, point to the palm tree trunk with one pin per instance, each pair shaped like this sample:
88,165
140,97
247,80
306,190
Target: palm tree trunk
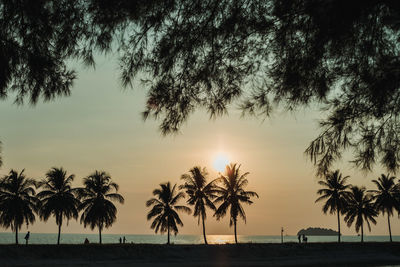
234,223
16,234
390,231
168,230
338,223
362,232
59,234
99,234
204,233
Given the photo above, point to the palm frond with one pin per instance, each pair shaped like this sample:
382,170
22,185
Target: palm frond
183,208
115,197
163,211
97,196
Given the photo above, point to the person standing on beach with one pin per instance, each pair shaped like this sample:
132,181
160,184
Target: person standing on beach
120,240
299,237
124,240
27,237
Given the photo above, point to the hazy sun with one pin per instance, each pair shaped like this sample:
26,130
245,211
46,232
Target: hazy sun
220,162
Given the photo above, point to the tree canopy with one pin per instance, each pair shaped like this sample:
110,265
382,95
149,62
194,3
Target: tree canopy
58,198
342,56
97,199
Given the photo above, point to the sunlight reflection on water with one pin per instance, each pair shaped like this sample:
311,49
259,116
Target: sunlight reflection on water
220,239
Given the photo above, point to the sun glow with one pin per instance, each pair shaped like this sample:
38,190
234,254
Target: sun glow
220,162
221,239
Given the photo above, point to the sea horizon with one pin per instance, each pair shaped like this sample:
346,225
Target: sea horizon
78,238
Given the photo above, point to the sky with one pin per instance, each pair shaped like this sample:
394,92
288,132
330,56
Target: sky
99,127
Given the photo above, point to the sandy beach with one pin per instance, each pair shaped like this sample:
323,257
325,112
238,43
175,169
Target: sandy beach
289,254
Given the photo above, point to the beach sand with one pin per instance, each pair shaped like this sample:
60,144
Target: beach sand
288,254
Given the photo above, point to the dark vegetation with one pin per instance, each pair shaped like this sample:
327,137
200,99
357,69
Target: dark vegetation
164,209
226,190
200,194
342,56
22,198
358,205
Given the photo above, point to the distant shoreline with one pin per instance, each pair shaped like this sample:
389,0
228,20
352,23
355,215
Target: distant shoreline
317,231
287,254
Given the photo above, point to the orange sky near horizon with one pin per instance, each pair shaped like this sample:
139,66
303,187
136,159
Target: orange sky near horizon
99,127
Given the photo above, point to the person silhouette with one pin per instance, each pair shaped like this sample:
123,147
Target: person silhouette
299,237
86,241
120,240
124,240
27,237
305,238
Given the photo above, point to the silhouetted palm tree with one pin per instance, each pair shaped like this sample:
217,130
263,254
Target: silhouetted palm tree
386,197
96,201
18,201
58,198
164,210
200,194
334,194
231,193
360,207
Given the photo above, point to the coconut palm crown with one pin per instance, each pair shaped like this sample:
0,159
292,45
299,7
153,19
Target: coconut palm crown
58,198
97,201
18,201
200,194
360,209
230,191
165,208
386,197
335,194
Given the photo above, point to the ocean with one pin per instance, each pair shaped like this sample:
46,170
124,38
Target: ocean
40,238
